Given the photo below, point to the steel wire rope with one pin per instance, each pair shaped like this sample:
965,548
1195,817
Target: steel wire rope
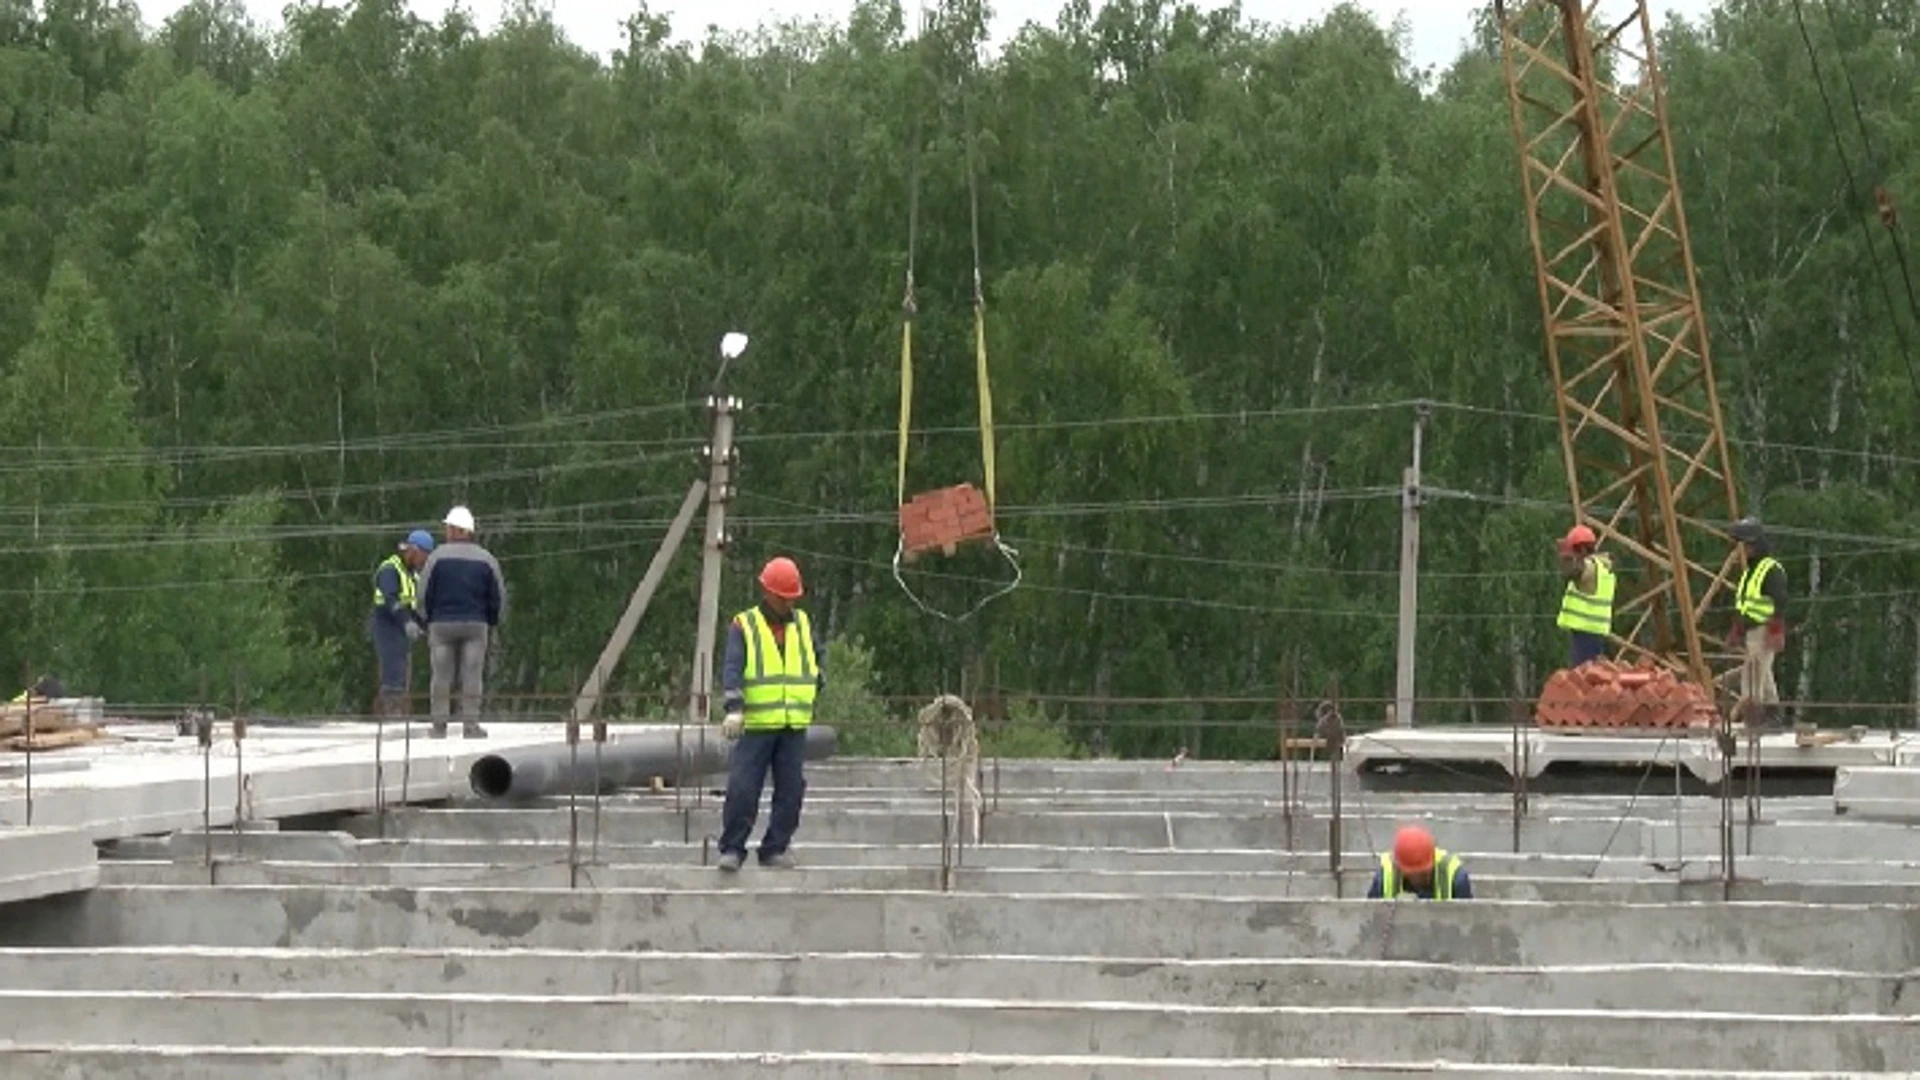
1853,188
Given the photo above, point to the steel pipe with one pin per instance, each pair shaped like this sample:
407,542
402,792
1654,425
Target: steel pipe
630,760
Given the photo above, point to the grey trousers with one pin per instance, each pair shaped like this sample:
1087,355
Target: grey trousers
459,650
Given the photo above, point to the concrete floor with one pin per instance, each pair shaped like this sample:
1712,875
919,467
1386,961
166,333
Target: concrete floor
1119,922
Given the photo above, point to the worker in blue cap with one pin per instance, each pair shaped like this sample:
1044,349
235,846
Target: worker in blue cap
396,621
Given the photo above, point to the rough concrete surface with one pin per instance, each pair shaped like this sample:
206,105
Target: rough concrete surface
1115,921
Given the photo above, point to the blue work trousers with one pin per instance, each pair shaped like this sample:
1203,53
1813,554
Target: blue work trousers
784,753
391,650
1582,647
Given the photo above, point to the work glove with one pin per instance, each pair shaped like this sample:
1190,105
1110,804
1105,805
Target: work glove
1776,633
413,630
733,725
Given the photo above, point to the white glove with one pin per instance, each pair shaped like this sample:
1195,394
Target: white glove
413,630
733,725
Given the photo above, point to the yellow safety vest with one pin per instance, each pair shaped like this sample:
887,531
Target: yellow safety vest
1754,605
407,582
778,685
1444,865
1590,614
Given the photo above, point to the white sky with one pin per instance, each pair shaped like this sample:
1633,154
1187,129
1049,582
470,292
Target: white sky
1437,26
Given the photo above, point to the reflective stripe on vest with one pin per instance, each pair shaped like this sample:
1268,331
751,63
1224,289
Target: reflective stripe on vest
1444,866
1590,614
777,685
406,582
1754,605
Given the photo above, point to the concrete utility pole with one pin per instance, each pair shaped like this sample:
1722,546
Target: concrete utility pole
1409,575
721,459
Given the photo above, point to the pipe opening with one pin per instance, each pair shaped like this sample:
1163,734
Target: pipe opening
491,776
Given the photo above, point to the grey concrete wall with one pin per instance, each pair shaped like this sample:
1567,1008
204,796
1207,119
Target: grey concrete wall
635,1024
130,1063
555,871
1867,938
1308,982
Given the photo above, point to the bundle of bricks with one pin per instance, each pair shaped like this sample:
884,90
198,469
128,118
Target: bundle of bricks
943,519
1614,697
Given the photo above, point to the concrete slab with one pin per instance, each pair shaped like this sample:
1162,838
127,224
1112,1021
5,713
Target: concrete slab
1363,833
225,1063
1891,793
1353,882
36,862
1697,865
1854,938
653,1023
1659,987
162,784
1541,750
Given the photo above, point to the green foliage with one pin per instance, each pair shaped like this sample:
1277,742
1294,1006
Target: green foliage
865,725
1027,732
266,305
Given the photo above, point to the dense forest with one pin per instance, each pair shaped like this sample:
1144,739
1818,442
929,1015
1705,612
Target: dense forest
269,300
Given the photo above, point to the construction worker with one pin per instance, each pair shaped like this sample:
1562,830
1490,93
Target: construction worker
769,681
1408,872
462,597
394,624
45,688
1760,625
1586,607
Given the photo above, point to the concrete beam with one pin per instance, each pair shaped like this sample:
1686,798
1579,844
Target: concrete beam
646,1023
131,789
36,862
1867,939
1698,865
229,1063
1362,834
1655,987
1301,885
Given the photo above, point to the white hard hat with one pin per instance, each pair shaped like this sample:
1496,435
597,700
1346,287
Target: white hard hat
459,518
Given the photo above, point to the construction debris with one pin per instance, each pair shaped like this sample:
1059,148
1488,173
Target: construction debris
56,724
1617,698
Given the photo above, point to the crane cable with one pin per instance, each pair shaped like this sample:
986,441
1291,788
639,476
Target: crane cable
908,310
1883,202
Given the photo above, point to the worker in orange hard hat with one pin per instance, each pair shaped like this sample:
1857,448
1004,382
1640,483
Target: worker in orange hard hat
769,680
1586,606
1416,870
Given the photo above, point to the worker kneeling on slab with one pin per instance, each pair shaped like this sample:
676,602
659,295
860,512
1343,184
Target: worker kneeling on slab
1416,870
770,679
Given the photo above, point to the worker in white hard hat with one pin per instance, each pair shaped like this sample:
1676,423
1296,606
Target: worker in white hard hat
463,597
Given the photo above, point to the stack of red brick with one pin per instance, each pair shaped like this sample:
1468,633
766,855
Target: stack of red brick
1605,695
944,519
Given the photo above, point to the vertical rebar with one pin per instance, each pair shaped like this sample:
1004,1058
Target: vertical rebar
573,802
1517,711
599,744
203,734
946,855
29,723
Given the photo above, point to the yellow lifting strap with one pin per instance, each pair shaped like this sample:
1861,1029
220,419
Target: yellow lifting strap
981,376
908,310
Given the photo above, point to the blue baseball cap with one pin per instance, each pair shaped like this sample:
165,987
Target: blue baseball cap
419,538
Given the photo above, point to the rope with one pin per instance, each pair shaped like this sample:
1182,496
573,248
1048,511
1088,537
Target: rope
981,372
949,738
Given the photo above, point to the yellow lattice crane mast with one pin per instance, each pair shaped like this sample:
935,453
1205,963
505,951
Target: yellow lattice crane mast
1640,427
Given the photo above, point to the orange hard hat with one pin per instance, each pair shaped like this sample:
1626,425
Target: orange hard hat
1581,535
781,578
1413,850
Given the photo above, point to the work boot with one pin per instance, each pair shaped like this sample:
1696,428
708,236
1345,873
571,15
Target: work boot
782,861
730,862
472,730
